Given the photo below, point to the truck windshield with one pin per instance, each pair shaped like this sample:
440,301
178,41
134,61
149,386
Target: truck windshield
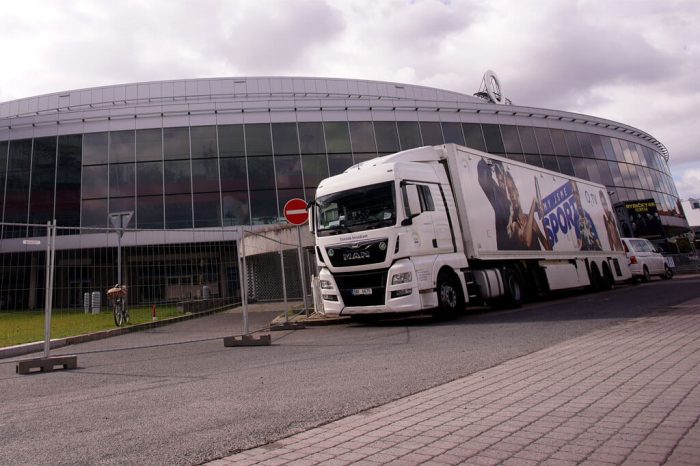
363,208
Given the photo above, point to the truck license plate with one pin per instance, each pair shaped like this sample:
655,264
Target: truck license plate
361,291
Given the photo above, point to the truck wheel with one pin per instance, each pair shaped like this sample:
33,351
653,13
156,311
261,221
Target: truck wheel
645,275
608,280
668,273
450,299
513,289
596,279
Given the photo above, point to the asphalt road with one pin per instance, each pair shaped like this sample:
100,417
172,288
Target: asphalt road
181,397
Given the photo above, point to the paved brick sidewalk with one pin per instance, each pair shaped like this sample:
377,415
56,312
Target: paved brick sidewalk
628,394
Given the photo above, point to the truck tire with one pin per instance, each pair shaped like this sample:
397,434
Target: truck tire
449,296
595,278
513,289
608,280
668,273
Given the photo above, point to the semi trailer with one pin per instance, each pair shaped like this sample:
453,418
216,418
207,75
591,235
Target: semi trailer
437,228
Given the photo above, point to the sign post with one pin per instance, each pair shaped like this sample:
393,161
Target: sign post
296,213
120,220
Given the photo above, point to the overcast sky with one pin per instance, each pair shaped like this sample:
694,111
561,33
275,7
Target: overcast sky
632,61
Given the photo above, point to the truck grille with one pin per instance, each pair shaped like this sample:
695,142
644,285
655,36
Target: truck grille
361,253
353,287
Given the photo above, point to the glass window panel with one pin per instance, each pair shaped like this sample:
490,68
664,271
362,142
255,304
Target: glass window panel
592,167
605,176
357,158
626,178
409,134
315,169
494,141
95,181
205,175
264,207
565,165
42,181
121,146
337,137
149,212
95,213
559,142
635,176
528,140
597,143
453,133
311,140
550,162
338,163
123,204
3,174
95,148
626,151
431,132
533,159
285,195
149,176
640,155
572,143
178,211
177,177
207,210
235,208
68,172
121,179
517,157
288,169
176,143
233,174
580,169
617,149
387,137
203,140
511,140
149,144
474,136
261,173
607,148
257,139
648,157
362,137
584,141
285,140
544,141
231,141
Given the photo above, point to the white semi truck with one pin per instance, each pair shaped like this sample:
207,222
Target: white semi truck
435,228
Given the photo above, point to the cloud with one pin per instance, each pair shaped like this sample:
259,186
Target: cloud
688,183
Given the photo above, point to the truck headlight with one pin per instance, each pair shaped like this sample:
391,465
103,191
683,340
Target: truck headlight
326,285
400,278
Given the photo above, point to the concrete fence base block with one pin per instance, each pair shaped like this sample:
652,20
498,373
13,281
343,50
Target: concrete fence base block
248,340
286,326
29,366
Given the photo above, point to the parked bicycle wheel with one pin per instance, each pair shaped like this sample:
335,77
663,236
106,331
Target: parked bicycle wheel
118,313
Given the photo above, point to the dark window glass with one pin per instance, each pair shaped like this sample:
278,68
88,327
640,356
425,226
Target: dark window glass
337,137
642,172
584,141
149,176
288,169
285,139
598,151
409,134
634,176
95,213
178,211
149,212
264,206
648,157
121,180
257,139
261,173
357,158
284,195
624,171
205,176
95,148
432,133
338,163
580,168
362,137
121,146
607,148
233,174
550,162
231,141
387,137
494,141
511,140
517,157
474,136
68,172
3,174
565,165
149,144
176,143
311,139
592,167
637,154
559,142
95,181
453,133
572,143
17,187
123,204
604,171
617,148
315,169
177,177
207,210
203,141
544,141
528,140
42,181
534,159
235,208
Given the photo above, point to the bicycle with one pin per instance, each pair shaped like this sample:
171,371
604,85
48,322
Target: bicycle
118,296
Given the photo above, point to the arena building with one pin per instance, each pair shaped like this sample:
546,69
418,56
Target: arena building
193,157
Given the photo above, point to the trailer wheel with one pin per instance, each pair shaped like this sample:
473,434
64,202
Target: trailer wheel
513,288
450,299
608,281
596,279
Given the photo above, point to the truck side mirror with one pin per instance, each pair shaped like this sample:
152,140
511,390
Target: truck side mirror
312,212
411,202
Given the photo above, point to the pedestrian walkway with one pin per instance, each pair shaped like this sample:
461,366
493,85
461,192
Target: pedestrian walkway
627,394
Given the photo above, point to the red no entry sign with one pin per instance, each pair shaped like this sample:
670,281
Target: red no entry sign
295,211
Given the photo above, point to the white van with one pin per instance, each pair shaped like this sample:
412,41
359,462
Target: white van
645,260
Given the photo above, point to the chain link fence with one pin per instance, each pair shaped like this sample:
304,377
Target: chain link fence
684,263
